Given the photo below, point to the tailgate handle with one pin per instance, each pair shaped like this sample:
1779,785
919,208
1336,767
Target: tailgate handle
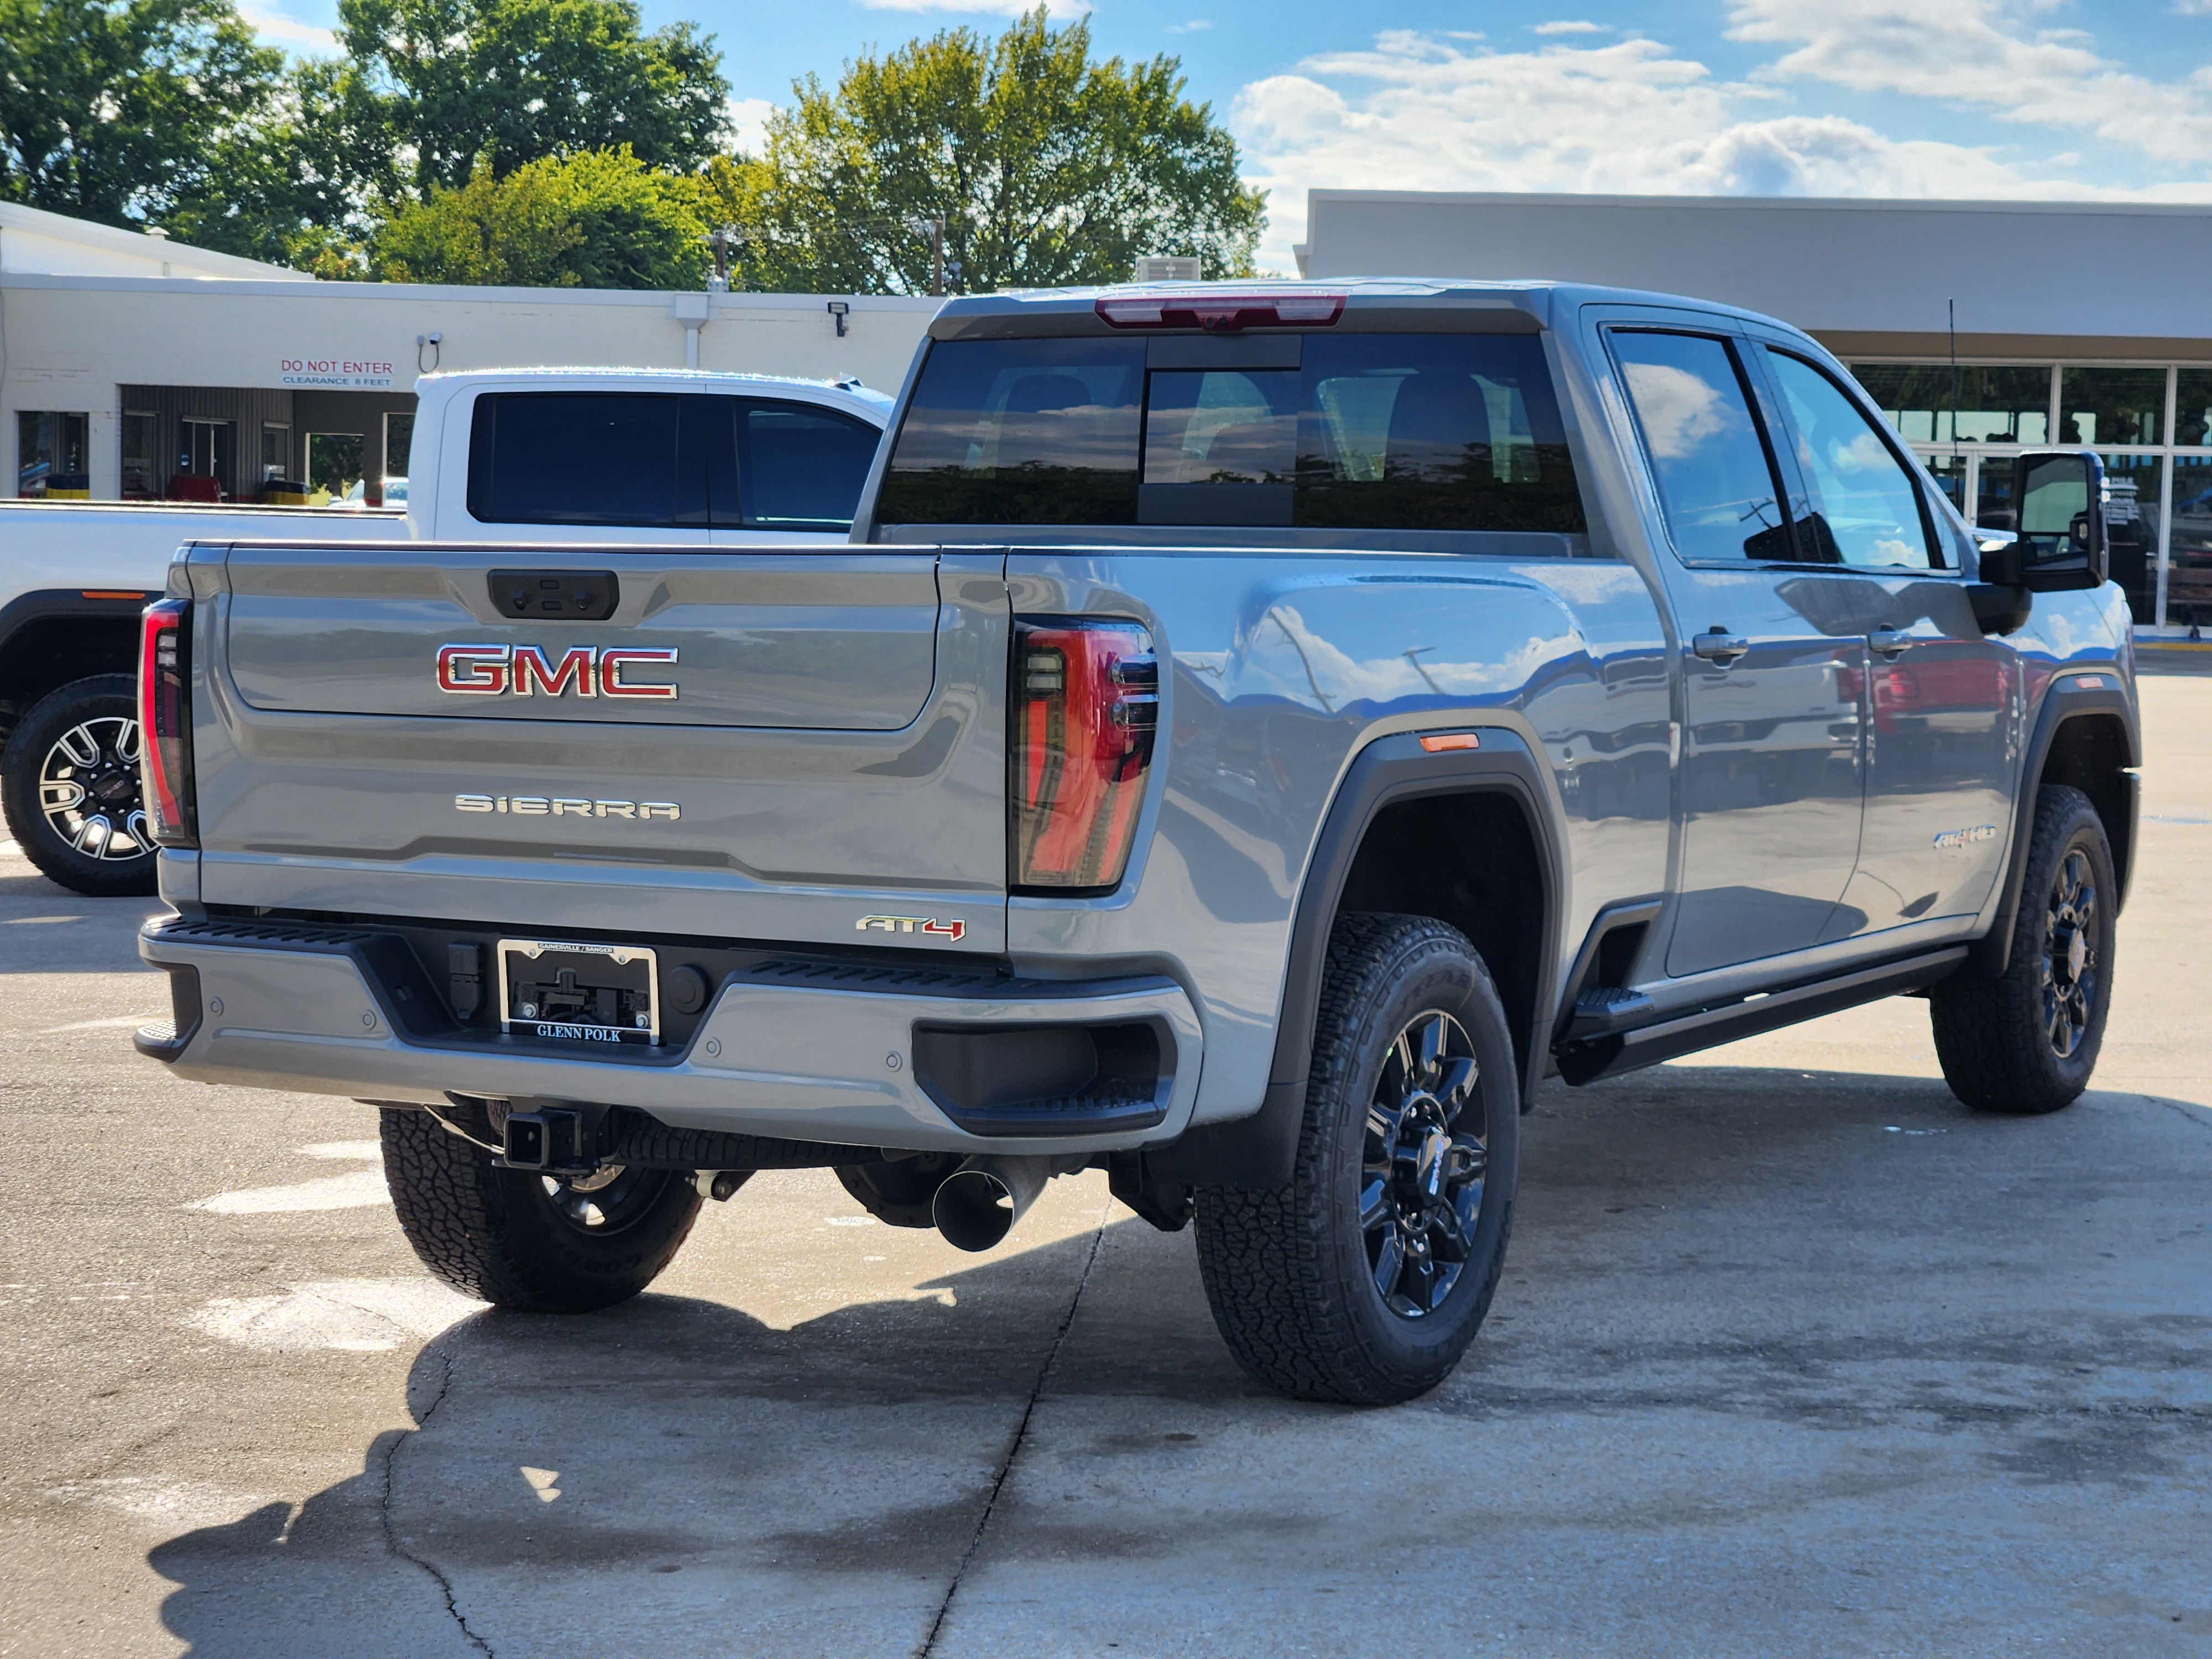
568,595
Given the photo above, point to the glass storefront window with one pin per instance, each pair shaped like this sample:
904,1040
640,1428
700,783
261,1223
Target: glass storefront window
2131,507
1949,473
141,448
2112,405
399,440
49,453
334,464
1995,405
276,454
2189,574
1993,508
2192,407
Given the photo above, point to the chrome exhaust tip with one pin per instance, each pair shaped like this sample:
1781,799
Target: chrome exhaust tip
979,1203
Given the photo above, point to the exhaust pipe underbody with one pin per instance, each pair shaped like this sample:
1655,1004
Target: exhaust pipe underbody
980,1202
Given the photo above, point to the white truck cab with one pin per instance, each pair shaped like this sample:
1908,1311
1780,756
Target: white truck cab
584,455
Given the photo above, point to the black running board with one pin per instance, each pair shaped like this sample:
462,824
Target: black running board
1708,1028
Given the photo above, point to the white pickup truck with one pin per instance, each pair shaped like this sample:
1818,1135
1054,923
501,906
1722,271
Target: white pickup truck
500,455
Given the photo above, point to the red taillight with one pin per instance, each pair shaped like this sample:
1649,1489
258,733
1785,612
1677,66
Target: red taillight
1222,313
1085,700
165,723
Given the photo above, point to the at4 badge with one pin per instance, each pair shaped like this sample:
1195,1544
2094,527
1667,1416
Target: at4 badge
930,925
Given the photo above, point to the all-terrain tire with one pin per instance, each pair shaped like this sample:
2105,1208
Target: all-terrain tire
2026,1042
89,714
1295,1276
497,1235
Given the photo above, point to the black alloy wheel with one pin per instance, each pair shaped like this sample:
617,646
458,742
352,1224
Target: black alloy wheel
2026,1041
71,788
2070,955
1427,1151
1365,1277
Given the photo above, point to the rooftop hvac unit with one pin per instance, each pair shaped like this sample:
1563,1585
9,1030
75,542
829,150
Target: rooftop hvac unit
1166,268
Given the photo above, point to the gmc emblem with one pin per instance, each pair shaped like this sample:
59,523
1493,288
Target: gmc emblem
491,670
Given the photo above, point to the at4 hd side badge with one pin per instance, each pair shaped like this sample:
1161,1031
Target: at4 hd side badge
930,925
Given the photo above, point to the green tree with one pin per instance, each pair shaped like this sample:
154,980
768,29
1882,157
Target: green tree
1046,168
603,219
118,110
518,81
299,185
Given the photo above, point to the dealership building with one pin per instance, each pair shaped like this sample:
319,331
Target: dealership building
132,367
2069,322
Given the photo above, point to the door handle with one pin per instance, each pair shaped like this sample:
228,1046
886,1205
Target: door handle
1717,647
1889,641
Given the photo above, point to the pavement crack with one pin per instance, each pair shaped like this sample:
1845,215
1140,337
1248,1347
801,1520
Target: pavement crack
1013,1448
384,1504
2196,1115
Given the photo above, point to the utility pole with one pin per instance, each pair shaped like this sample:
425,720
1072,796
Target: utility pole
936,258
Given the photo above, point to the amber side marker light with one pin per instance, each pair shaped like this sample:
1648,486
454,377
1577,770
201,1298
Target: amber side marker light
138,593
1441,741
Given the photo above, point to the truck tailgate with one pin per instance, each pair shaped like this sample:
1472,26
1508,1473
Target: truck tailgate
777,744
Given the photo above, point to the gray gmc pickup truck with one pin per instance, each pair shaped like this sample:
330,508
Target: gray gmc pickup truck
1255,736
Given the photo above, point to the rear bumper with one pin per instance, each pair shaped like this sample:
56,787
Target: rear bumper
853,1055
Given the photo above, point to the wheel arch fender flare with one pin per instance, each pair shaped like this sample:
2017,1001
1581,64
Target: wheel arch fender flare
2067,703
1260,1151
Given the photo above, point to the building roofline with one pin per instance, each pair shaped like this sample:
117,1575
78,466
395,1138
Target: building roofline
1825,204
137,244
654,298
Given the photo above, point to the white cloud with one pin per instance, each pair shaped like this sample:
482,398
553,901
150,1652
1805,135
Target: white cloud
1192,27
1571,25
1000,7
1984,54
748,123
276,29
1635,117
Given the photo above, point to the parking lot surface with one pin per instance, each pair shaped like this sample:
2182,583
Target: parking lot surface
1793,1354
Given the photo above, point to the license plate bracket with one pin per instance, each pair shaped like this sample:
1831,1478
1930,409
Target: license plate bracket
566,991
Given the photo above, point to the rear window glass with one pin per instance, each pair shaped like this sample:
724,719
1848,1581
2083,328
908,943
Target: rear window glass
1375,431
1020,432
1433,432
1221,426
573,458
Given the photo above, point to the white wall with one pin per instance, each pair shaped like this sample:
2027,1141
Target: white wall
68,343
2014,267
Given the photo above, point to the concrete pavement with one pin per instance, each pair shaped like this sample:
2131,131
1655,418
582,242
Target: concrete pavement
1792,1354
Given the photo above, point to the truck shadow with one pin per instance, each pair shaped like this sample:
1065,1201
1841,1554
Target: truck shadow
790,1490
684,1449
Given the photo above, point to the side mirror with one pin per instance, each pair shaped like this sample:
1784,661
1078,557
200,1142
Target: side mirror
2059,496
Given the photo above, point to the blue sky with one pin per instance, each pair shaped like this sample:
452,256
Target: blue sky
1968,98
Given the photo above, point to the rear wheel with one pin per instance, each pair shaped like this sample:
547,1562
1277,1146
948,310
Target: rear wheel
1365,1279
68,783
2024,1043
520,1240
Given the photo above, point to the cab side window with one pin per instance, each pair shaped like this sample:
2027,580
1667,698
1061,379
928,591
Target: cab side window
801,466
1718,484
1863,508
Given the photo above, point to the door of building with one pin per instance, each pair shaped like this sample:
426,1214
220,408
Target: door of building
205,453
